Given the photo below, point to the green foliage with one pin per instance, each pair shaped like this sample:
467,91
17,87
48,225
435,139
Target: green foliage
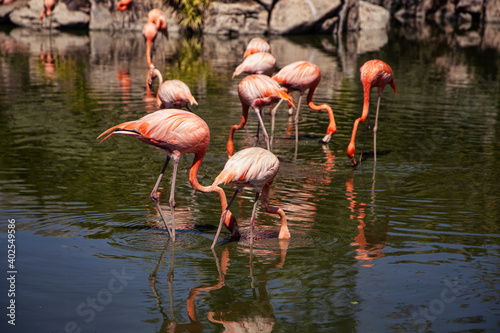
191,13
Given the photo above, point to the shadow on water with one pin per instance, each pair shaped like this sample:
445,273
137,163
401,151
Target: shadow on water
374,247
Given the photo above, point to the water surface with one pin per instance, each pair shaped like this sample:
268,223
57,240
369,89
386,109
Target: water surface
407,244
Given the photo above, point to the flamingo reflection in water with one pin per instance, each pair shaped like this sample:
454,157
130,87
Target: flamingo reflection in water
177,132
241,315
123,79
371,239
49,63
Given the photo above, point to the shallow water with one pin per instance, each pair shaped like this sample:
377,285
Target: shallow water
407,244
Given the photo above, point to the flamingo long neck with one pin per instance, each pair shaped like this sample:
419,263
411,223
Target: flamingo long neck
148,52
332,127
264,200
366,109
366,104
230,221
157,73
244,117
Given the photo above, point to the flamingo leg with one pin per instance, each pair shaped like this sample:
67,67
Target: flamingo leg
366,136
223,217
256,139
154,196
297,119
273,116
375,132
252,220
171,201
284,232
230,144
257,111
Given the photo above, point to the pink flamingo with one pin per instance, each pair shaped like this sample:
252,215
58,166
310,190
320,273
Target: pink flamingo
374,73
48,7
255,167
149,32
257,45
171,93
257,63
301,76
177,132
157,17
123,4
256,91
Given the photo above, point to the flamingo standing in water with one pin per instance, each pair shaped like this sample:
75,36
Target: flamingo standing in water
149,32
374,73
177,132
171,93
48,7
257,45
301,76
256,91
257,63
255,167
157,17
123,4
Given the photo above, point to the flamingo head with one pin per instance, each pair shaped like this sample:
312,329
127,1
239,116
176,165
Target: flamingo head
350,153
232,225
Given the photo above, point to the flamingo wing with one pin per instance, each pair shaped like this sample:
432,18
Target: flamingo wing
175,93
257,45
377,73
299,75
249,167
259,90
257,63
170,129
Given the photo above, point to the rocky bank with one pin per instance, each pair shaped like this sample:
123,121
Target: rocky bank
230,17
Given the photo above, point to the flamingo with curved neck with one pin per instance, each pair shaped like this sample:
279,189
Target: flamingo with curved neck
374,73
177,132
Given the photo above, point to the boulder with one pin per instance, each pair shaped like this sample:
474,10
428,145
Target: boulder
492,11
62,17
6,9
373,17
235,18
302,16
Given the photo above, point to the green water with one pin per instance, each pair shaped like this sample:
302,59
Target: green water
407,245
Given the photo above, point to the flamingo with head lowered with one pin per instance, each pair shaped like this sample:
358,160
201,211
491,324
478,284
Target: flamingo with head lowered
374,73
257,45
171,93
158,18
301,76
257,63
178,132
149,32
255,167
256,91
